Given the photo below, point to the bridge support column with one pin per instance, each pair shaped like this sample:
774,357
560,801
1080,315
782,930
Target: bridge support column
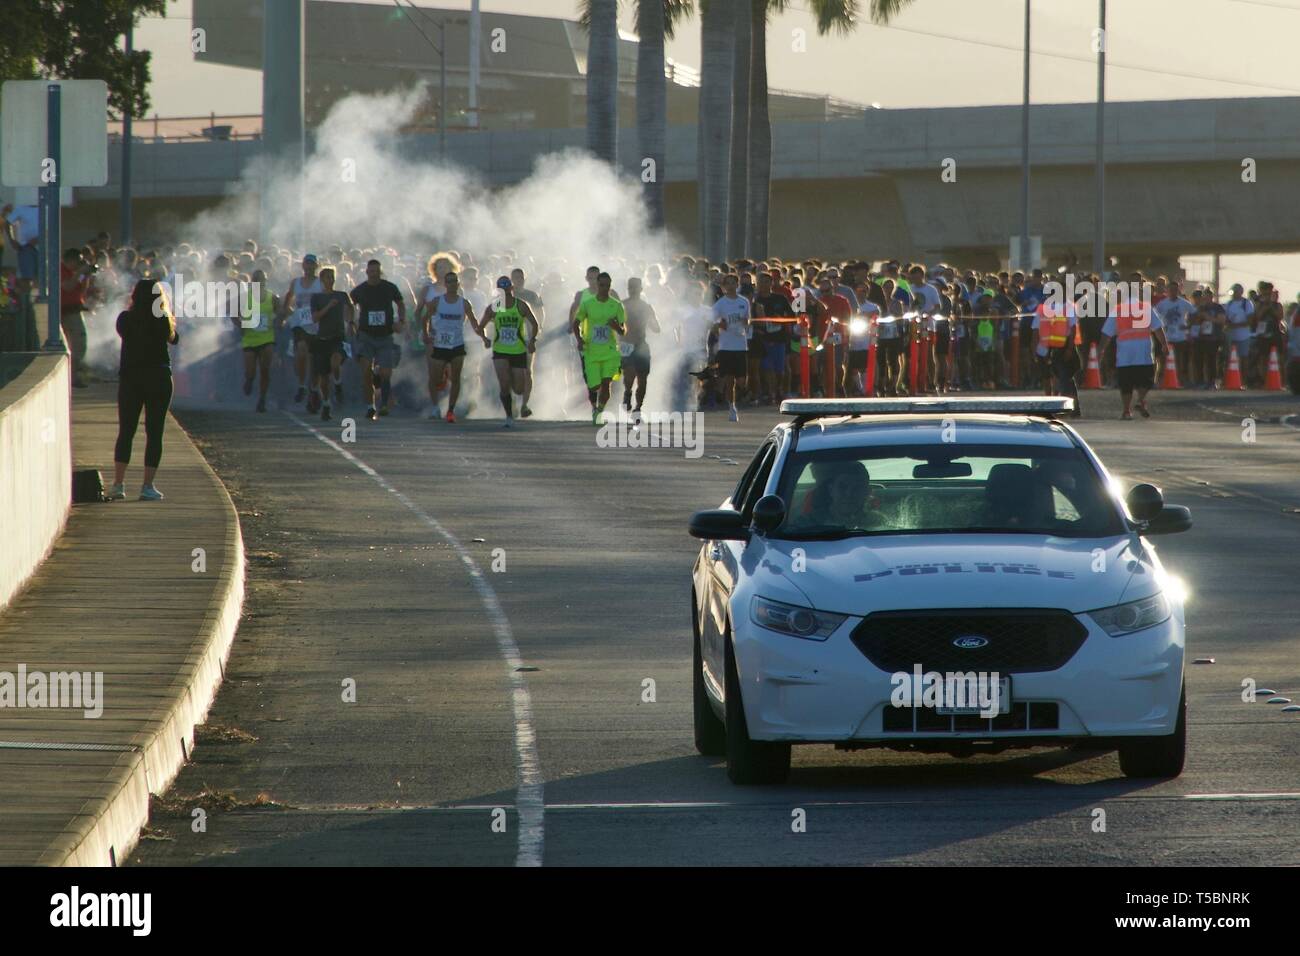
283,61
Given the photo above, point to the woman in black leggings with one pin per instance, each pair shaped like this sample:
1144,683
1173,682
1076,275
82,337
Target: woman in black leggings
144,382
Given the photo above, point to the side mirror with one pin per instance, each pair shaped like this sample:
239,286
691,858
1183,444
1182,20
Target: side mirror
1172,519
769,512
1144,502
719,524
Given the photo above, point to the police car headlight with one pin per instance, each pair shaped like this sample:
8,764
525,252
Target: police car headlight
794,620
1133,616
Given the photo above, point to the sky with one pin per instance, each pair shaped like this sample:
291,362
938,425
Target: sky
936,53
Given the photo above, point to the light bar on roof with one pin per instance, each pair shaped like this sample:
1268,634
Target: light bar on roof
992,405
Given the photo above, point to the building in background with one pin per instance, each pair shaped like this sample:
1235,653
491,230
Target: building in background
532,73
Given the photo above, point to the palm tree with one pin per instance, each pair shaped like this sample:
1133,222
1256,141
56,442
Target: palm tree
837,16
737,218
602,79
655,23
760,130
717,48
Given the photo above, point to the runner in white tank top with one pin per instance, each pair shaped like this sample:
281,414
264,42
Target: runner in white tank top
444,333
297,301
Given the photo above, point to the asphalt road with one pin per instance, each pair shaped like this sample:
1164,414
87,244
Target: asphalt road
449,750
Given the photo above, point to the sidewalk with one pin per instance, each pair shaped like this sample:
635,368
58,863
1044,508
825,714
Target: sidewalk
117,595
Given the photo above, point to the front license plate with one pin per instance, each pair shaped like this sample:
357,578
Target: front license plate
1003,701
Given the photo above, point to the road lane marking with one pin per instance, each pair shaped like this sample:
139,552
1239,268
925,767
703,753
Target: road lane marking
529,803
1284,795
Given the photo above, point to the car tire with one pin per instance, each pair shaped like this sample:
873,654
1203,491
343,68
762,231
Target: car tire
710,732
749,761
1157,756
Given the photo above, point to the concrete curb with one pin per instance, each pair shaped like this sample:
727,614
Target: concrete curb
150,770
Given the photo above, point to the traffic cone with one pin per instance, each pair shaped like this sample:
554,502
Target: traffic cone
1273,380
1232,375
1170,379
1092,376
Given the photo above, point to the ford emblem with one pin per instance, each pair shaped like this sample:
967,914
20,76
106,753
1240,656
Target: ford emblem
970,641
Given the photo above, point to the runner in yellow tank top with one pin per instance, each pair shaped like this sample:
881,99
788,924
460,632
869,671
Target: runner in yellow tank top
257,335
510,346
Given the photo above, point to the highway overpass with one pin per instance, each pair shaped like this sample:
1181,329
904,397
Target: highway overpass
872,186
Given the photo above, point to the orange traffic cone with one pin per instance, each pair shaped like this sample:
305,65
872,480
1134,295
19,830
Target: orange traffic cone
1232,375
1092,376
1273,380
1170,379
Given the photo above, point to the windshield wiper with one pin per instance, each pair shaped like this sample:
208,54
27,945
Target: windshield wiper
826,534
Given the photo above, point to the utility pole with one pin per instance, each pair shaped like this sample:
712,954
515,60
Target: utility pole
442,86
1099,236
126,227
475,39
1024,158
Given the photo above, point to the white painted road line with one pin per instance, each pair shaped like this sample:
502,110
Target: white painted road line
529,801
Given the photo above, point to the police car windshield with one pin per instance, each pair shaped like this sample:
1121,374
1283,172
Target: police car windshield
945,489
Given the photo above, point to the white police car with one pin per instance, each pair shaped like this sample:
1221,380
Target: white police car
874,548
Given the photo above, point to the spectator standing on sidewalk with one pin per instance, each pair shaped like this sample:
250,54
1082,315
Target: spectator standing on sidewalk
1239,310
144,383
1264,334
1175,313
22,233
74,285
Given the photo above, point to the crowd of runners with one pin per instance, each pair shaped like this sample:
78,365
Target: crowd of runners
751,333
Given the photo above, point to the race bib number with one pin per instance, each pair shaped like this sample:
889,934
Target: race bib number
444,339
302,315
625,349
377,317
508,335
600,335
1207,327
835,338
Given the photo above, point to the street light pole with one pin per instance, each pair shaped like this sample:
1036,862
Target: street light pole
126,226
442,85
1024,263
475,39
1099,237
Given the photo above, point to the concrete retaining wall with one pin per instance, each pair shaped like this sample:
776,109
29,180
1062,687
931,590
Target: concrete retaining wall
35,464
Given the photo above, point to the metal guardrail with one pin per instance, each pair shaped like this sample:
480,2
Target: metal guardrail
218,127
191,129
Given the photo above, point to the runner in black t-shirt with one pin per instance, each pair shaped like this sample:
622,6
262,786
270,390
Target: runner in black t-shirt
376,300
775,338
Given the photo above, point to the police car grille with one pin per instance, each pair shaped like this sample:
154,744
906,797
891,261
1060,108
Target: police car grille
1017,640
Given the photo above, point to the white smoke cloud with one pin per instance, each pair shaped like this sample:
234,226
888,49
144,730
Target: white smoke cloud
365,185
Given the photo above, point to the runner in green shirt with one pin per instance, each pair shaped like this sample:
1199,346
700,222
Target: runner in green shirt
594,325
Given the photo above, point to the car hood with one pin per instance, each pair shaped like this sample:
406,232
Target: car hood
911,572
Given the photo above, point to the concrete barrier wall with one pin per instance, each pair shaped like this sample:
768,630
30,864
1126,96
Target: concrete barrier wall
35,463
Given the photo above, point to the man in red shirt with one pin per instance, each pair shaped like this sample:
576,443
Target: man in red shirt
74,284
838,310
